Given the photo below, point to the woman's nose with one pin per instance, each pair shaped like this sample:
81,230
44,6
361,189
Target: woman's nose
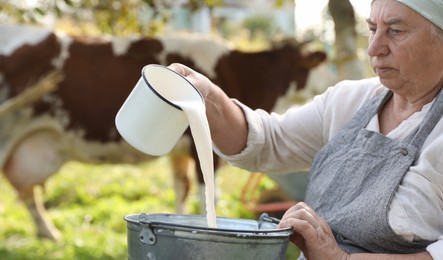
378,45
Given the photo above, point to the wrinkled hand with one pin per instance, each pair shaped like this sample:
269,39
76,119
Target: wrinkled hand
311,233
201,82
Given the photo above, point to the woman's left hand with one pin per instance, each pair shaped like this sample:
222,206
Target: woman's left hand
311,233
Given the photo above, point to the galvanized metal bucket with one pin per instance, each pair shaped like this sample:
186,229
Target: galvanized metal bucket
175,236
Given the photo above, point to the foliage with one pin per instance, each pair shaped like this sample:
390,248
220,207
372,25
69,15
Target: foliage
259,24
104,16
280,3
114,17
194,5
87,204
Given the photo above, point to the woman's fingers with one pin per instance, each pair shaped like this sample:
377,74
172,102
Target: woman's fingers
201,82
306,222
303,220
181,69
311,233
303,211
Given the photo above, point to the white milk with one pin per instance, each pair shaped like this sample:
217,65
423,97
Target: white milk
196,114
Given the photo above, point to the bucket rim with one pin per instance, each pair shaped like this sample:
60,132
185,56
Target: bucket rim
265,232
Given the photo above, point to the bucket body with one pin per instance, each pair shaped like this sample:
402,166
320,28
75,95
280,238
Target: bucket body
172,236
149,119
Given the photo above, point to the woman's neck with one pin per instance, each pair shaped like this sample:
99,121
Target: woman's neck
398,108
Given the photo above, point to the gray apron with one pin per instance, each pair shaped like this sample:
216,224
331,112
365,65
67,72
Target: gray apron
354,177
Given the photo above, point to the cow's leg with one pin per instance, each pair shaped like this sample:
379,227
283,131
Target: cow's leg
35,206
33,160
181,165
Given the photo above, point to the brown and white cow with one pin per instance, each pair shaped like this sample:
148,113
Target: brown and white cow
75,121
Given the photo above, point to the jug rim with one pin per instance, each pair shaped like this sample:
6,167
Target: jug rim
158,94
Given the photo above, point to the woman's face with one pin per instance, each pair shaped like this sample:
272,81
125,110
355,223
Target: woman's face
402,49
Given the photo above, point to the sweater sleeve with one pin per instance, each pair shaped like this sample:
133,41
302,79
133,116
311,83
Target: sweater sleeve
288,142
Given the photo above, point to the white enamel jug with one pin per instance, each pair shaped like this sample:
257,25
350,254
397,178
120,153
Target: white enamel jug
150,119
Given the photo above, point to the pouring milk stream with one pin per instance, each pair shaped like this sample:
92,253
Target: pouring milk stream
157,112
196,113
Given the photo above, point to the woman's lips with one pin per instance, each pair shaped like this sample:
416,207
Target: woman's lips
381,71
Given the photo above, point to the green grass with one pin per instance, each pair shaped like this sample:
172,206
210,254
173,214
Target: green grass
87,204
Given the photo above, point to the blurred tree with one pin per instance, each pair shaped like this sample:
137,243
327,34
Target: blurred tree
343,15
259,24
103,16
115,17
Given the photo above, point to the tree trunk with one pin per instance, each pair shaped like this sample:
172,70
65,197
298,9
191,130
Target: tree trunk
348,65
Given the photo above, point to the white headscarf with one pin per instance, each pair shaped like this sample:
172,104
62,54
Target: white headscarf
429,9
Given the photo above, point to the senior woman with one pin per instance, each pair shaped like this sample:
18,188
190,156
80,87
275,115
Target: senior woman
374,146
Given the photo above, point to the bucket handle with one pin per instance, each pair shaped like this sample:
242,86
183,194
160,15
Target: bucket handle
264,217
146,236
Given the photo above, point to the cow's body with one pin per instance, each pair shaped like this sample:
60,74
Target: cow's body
76,120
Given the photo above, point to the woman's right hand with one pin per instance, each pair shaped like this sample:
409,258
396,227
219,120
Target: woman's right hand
201,82
226,120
